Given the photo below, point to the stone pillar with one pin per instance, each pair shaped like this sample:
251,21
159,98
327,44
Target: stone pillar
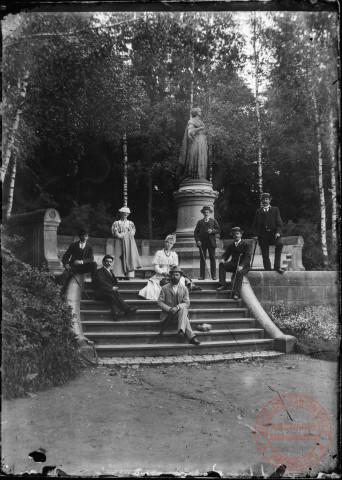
39,230
192,195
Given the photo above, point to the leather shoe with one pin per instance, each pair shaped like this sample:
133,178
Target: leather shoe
219,289
195,288
201,278
194,341
279,270
116,316
214,278
131,311
236,296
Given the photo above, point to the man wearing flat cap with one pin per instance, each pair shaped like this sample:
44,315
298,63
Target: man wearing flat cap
267,229
204,234
174,300
79,258
239,264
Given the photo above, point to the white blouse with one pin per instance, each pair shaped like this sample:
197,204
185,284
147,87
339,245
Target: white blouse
121,227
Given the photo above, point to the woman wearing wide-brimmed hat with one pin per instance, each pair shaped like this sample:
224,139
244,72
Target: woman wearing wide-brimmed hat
125,249
162,262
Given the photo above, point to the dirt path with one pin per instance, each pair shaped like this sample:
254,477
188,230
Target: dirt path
162,419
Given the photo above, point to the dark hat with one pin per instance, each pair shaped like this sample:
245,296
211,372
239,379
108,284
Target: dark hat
107,256
176,269
265,195
207,207
83,231
236,229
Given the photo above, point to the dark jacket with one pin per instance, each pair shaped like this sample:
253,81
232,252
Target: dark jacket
243,248
75,253
201,235
105,280
274,221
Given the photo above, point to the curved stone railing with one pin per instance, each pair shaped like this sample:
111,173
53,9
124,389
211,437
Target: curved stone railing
73,295
282,342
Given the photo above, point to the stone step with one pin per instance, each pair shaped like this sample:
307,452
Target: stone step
126,325
167,349
194,314
152,304
133,338
134,295
138,283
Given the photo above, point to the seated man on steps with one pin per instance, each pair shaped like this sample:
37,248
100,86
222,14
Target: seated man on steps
240,252
106,288
174,300
79,258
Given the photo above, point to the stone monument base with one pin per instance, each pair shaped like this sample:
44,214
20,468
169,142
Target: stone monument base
191,197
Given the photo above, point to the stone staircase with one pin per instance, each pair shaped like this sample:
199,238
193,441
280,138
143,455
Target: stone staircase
233,329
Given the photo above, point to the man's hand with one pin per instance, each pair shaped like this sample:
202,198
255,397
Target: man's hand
199,244
277,235
210,230
240,267
255,238
221,261
173,310
115,288
78,262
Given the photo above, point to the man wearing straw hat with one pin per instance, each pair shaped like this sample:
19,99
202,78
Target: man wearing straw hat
240,252
204,234
174,301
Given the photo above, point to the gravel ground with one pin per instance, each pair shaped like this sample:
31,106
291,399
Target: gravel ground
177,419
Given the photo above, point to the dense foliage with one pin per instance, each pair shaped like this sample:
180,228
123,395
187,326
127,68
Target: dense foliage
316,327
38,348
94,78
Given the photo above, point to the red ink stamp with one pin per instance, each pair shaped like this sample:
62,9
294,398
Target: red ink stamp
293,430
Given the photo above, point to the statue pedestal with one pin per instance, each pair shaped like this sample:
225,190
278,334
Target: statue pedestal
191,197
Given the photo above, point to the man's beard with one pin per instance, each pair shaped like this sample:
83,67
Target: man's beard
175,281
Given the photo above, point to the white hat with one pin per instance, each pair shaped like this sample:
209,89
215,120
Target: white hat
125,210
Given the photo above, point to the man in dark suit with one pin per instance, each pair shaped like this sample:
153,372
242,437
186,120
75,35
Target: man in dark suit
174,300
240,252
204,233
267,229
106,288
79,258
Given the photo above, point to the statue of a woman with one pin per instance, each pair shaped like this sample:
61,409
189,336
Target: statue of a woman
193,159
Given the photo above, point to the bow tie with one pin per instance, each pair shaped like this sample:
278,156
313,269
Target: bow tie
266,209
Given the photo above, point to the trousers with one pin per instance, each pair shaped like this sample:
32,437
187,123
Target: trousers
183,322
231,267
265,240
211,251
117,303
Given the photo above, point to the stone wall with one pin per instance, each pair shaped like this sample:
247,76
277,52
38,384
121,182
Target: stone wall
295,288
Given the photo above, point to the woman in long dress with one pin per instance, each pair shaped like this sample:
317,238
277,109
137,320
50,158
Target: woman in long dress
193,157
125,249
163,261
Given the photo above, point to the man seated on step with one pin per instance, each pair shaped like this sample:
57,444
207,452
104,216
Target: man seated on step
106,288
174,301
240,252
79,258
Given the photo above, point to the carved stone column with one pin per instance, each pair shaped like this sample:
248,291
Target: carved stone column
192,195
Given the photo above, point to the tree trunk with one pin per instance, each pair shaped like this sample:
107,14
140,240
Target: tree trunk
9,204
150,192
8,151
125,166
257,108
320,179
332,145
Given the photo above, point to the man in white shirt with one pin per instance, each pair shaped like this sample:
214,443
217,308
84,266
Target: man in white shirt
174,300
